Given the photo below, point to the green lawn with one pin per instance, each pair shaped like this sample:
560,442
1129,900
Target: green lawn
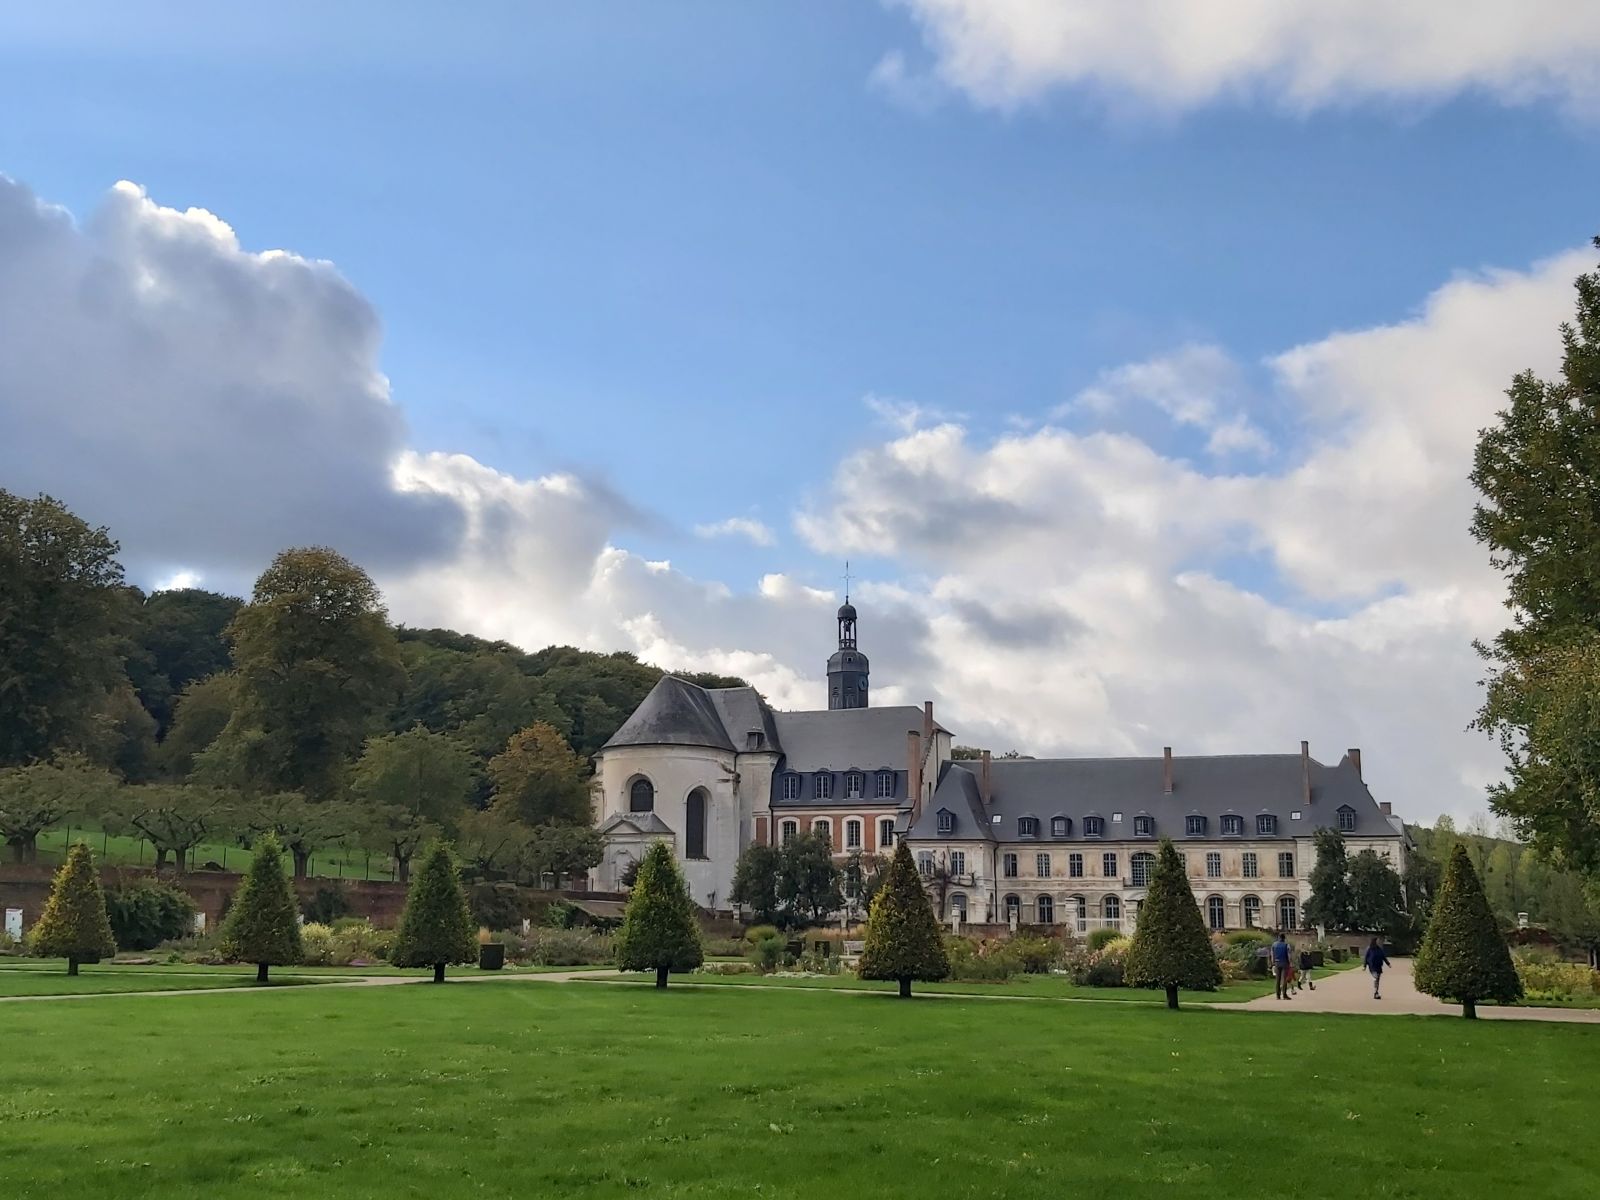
115,851
52,979
552,1090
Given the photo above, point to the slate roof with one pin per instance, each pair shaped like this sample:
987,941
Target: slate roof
1210,786
676,713
835,739
645,822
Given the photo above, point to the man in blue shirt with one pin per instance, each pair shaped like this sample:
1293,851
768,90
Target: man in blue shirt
1280,966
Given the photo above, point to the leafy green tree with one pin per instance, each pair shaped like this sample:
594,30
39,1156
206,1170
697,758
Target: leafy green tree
1420,882
412,786
1377,900
316,669
173,818
436,928
146,913
539,780
556,852
903,941
300,825
755,882
45,796
1332,904
659,931
200,714
178,637
262,925
810,884
61,618
74,925
1464,957
492,846
1171,948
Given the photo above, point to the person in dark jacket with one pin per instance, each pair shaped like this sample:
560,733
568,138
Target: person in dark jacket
1281,966
1376,959
1302,978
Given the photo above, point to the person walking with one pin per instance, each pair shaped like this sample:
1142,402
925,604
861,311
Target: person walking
1302,978
1281,966
1376,959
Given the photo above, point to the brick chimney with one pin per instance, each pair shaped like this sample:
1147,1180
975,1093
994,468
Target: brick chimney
1166,770
1354,755
985,785
914,772
1388,809
1305,772
927,722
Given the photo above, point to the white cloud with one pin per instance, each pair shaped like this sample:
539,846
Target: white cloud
1297,54
748,528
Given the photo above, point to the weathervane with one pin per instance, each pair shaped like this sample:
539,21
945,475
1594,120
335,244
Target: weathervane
847,579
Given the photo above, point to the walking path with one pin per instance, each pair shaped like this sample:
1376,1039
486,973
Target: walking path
1351,992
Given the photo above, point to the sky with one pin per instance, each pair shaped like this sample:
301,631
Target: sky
1132,355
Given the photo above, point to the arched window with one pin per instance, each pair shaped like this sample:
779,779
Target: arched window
1288,913
958,905
642,796
852,834
854,785
694,824
1080,909
824,786
1111,908
791,786
1013,909
885,790
1216,912
789,831
1144,865
823,828
1251,907
1044,910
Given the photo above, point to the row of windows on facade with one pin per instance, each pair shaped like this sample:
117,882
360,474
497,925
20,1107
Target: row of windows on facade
1143,865
1110,910
1144,825
855,785
853,831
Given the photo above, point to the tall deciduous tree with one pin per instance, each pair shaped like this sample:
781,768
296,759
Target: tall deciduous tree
903,941
1377,900
1331,905
436,928
46,795
74,924
1171,948
1463,956
809,881
755,882
178,641
201,713
263,924
316,670
1538,469
539,780
659,931
61,616
411,786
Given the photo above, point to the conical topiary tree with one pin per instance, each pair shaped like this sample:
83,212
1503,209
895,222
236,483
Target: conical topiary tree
1171,948
659,931
74,924
437,927
1463,956
263,924
903,941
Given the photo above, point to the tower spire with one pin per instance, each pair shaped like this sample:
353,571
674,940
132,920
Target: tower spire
847,668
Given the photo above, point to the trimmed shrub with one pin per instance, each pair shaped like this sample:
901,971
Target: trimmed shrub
1545,980
1249,937
1463,956
976,960
1170,948
74,924
146,913
659,931
756,932
546,947
725,947
768,953
261,925
436,928
1035,954
903,940
1099,937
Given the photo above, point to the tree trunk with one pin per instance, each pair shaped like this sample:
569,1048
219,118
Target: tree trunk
261,972
302,859
72,964
26,848
905,987
1172,997
161,859
661,977
402,868
438,972
1469,1010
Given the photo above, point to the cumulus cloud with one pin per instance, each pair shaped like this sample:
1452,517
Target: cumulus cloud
747,528
1297,54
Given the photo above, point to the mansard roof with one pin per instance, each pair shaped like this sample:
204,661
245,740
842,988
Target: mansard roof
843,738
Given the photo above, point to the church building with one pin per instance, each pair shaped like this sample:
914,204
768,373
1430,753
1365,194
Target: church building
712,771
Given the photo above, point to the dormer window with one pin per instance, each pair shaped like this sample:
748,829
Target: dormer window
1060,826
1266,825
824,786
885,789
1194,825
1027,826
791,785
1094,827
854,785
1144,825
947,821
1232,825
1347,819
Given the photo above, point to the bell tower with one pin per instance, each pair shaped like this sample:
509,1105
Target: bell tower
847,667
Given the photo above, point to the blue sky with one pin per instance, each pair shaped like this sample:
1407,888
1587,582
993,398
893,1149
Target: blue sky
1001,299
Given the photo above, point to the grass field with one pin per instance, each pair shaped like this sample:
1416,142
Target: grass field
526,1089
48,977
115,851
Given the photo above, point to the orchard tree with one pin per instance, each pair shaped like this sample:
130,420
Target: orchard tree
62,611
1463,956
659,931
903,940
436,928
300,825
412,786
46,795
74,925
755,882
262,925
491,845
538,780
1171,948
173,818
1331,905
561,851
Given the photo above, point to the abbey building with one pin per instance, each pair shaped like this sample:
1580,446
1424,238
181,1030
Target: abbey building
711,771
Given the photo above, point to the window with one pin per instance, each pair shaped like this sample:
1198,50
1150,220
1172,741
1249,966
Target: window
1080,906
791,786
1216,916
1194,825
1116,818
1044,910
885,833
1075,865
958,862
885,789
1060,827
1027,826
1213,865
1041,865
1144,865
1251,907
694,836
790,831
1248,865
1347,819
1144,826
1111,908
1286,865
824,786
854,784
852,835
823,828
1013,909
1266,825
1008,865
1288,913
642,796
1094,827
925,863
947,821
1108,865
958,905
1232,825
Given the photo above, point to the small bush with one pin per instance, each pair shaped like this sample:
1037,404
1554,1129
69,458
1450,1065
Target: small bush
1102,967
1100,937
726,947
497,905
10,946
975,960
147,913
769,953
326,905
558,914
727,968
1545,979
1249,937
756,932
316,944
1037,955
546,947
